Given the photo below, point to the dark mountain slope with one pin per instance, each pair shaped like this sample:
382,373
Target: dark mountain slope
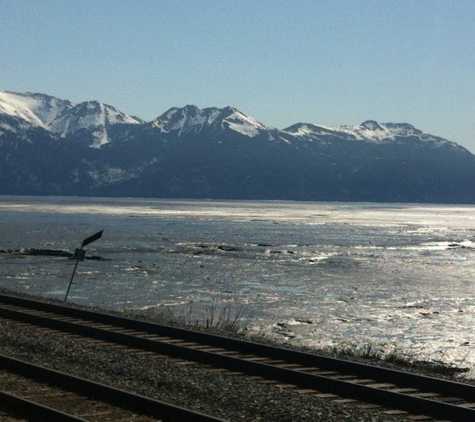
94,149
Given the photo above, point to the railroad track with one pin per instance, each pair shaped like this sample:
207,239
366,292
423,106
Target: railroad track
40,394
438,398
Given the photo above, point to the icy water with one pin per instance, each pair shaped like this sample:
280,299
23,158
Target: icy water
397,276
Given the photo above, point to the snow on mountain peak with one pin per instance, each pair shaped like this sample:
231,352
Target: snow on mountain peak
304,129
369,130
90,115
61,117
371,125
193,119
20,111
32,109
243,123
376,131
186,119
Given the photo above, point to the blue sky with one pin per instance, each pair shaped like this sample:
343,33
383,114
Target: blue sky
332,62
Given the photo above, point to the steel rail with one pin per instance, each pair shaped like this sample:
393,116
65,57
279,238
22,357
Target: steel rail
117,397
437,385
34,411
346,388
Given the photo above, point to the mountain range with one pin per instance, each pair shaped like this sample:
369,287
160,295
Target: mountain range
50,146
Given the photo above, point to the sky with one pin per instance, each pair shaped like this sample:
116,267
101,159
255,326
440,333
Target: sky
335,62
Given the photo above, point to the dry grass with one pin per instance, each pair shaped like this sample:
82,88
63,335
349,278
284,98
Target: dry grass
398,358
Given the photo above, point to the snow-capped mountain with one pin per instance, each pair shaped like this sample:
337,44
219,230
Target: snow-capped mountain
61,117
50,146
191,119
30,110
368,131
92,116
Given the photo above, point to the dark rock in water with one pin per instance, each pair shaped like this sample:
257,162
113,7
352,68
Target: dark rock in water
48,252
227,248
95,258
304,321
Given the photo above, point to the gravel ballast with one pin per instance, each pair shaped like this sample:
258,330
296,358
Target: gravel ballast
221,394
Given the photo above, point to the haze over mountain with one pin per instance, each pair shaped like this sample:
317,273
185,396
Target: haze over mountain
50,146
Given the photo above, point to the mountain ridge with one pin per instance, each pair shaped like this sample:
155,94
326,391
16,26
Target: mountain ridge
198,118
50,146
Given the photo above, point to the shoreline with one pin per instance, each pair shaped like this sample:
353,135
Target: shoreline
369,354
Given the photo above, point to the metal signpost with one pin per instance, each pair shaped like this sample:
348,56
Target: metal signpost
80,255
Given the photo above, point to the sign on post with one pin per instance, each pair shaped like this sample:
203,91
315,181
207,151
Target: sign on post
80,255
91,239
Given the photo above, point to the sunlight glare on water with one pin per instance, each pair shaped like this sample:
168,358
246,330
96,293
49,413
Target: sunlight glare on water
316,274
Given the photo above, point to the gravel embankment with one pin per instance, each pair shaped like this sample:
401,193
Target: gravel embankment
231,397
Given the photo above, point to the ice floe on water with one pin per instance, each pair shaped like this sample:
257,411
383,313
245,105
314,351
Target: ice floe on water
313,274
